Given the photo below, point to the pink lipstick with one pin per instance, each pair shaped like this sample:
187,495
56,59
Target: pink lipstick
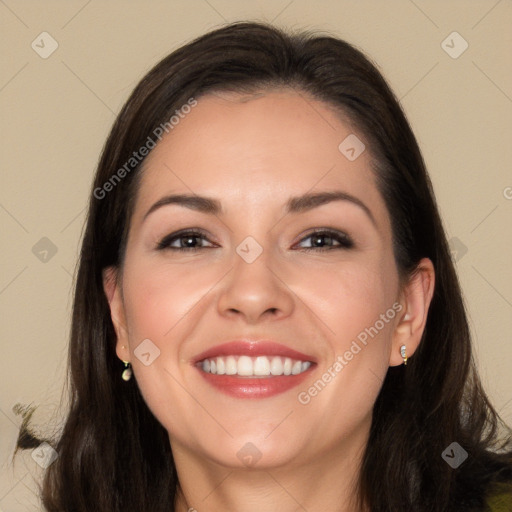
256,369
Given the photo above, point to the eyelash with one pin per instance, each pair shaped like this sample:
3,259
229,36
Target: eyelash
345,242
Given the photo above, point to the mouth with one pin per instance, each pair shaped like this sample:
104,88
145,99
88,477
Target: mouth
253,369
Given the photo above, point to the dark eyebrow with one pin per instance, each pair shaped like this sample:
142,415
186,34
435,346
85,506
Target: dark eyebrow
199,203
313,200
297,204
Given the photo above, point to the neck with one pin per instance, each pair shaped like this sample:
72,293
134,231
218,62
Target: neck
329,481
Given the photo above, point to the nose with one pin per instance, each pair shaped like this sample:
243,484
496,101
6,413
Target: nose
255,291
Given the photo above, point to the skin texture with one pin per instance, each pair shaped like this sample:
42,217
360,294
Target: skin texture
252,153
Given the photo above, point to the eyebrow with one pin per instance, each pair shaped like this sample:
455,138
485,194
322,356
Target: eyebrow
297,204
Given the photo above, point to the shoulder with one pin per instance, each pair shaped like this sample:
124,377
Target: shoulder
499,499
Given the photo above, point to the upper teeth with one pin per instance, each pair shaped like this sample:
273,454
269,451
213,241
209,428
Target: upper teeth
254,366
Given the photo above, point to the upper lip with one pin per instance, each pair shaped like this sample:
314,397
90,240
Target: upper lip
253,349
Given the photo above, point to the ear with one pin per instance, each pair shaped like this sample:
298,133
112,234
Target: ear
112,289
415,300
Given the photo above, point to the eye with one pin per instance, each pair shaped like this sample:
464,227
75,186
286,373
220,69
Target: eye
185,238
320,237
321,240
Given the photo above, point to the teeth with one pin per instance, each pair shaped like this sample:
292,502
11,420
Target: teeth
260,366
231,366
296,368
305,366
221,366
287,366
245,366
276,366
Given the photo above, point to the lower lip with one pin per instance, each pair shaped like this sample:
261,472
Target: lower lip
256,387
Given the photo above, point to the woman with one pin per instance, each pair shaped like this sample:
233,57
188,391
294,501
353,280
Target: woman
266,313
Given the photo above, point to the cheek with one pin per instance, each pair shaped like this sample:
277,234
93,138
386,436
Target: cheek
161,304
164,304
347,297
355,306
159,297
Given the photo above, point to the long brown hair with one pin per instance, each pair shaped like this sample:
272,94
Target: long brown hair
115,456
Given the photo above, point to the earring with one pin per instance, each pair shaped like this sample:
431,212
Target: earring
127,372
403,354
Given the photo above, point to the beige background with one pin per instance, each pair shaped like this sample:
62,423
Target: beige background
56,113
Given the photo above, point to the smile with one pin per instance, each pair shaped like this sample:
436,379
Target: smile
253,368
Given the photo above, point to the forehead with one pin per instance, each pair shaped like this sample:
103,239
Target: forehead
255,151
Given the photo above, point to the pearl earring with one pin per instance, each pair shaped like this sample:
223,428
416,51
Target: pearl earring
127,372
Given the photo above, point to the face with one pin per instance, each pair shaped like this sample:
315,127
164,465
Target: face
294,304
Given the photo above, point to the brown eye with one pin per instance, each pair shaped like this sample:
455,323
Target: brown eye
183,241
325,240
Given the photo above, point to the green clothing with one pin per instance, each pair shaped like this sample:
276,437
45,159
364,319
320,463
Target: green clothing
500,499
